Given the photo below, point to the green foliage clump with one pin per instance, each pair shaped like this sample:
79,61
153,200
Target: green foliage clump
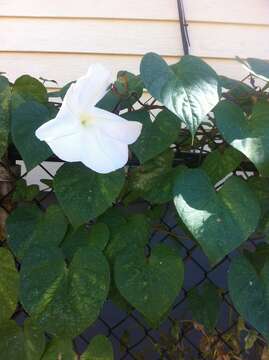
204,148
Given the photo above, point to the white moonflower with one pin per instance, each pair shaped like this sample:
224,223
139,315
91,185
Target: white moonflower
83,132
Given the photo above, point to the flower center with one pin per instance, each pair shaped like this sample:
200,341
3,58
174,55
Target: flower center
86,119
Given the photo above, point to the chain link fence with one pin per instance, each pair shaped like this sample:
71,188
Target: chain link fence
179,336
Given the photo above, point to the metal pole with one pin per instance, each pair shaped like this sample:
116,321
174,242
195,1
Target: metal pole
183,27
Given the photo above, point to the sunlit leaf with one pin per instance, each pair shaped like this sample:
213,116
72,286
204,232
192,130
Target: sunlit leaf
189,89
250,135
221,221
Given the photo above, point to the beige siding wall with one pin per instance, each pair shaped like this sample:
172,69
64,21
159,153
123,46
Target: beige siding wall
59,39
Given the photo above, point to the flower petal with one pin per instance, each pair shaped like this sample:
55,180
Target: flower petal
102,153
67,148
94,149
89,89
63,124
116,127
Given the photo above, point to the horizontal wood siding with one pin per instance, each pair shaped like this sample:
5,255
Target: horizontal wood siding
228,11
67,67
59,39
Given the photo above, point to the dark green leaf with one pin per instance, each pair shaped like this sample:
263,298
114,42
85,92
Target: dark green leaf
9,285
150,284
117,299
154,174
36,225
34,340
17,344
156,136
249,292
133,234
259,257
219,164
5,98
162,188
100,348
12,341
260,187
205,306
221,221
23,192
73,296
25,120
60,93
189,88
91,194
20,226
97,236
248,135
30,89
237,88
110,102
59,349
113,218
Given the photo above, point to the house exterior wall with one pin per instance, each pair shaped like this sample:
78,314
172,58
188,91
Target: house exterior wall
59,39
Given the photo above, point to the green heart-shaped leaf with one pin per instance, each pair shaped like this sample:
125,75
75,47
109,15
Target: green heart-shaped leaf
30,89
257,67
249,291
49,291
259,257
19,344
9,285
113,218
260,187
20,226
153,180
219,164
24,192
5,99
134,233
250,135
28,226
100,348
221,221
97,236
205,305
91,194
151,284
189,89
25,120
156,136
59,349
237,89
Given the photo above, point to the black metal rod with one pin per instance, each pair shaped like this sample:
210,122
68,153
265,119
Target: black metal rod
183,27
